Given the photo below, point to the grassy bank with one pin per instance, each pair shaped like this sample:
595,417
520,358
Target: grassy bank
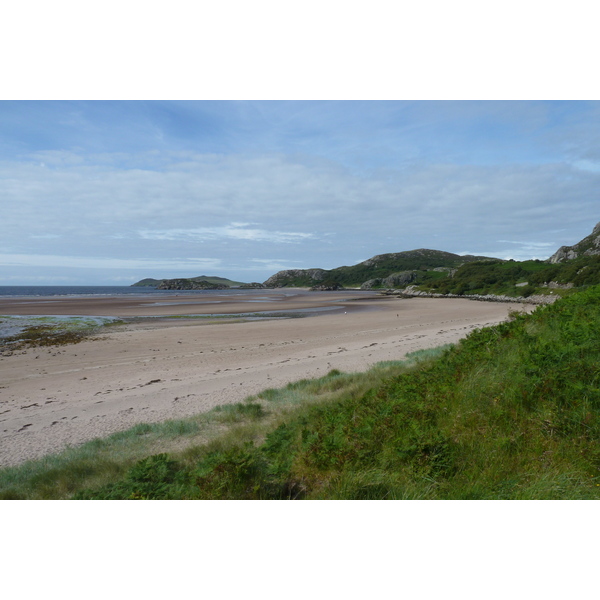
512,412
105,460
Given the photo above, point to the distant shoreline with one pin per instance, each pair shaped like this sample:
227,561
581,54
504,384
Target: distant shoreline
169,303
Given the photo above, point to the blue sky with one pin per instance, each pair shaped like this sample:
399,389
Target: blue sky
110,192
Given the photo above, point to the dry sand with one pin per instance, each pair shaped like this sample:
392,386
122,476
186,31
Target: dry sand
159,369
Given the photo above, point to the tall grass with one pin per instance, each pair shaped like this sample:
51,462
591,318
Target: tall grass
104,460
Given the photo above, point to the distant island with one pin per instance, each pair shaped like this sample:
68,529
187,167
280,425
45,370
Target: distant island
202,282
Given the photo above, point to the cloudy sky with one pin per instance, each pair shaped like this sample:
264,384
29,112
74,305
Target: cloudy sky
110,192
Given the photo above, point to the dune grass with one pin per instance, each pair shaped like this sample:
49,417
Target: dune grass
104,460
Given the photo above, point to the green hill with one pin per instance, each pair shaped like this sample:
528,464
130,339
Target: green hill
149,282
422,262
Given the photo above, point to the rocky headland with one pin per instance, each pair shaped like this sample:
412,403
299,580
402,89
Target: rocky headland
588,246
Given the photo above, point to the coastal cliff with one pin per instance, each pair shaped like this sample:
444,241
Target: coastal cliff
588,246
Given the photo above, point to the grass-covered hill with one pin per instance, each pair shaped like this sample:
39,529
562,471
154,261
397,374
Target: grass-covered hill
570,266
380,266
511,412
149,282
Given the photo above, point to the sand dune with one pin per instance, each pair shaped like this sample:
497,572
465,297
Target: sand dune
160,369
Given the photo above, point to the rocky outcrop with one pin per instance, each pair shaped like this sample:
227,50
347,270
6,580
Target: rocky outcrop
327,287
554,285
187,284
370,284
411,291
252,286
395,280
562,254
401,279
293,276
588,246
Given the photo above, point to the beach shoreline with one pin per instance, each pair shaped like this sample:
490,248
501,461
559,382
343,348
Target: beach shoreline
158,367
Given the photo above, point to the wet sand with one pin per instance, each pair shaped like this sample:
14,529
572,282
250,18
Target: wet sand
158,369
183,304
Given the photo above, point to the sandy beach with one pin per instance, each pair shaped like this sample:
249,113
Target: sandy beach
163,368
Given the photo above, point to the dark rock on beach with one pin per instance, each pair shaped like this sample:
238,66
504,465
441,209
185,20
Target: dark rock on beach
187,284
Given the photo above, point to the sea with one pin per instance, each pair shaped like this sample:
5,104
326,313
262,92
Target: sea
17,291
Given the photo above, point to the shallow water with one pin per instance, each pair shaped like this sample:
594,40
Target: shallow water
14,325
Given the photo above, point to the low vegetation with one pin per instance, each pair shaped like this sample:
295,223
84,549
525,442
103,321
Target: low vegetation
511,278
511,412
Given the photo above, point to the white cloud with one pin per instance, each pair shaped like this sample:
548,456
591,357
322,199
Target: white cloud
273,264
235,231
308,212
48,260
587,165
529,245
24,279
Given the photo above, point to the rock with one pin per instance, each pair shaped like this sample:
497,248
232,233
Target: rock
252,286
563,254
370,284
291,277
554,285
588,246
328,287
412,291
396,280
187,284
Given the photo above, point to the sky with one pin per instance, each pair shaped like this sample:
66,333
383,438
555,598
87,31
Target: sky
110,192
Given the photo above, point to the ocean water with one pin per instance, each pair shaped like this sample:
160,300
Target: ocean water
73,290
103,290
